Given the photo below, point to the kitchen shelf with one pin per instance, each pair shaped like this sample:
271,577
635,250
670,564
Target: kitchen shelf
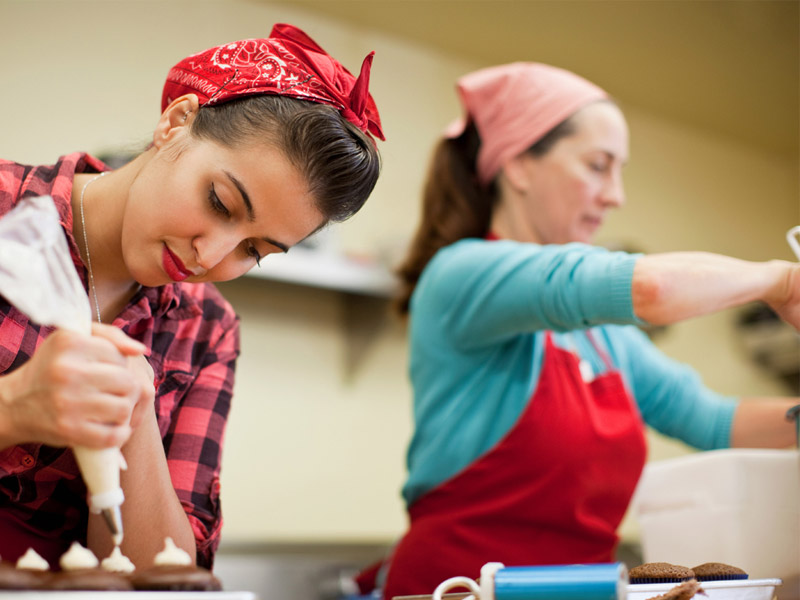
328,270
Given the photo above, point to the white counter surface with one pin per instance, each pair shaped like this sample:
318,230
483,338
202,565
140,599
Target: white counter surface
78,595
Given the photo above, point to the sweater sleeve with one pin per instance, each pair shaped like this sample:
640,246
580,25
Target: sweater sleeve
482,292
671,395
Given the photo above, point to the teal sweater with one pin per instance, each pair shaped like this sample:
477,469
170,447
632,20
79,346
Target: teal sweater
478,318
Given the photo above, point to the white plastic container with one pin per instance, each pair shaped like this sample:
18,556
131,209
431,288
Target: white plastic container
739,507
748,589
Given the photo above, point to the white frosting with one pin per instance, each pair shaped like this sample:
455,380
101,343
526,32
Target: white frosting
172,555
117,562
32,561
78,557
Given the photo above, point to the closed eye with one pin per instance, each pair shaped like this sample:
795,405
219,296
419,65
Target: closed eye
216,204
253,251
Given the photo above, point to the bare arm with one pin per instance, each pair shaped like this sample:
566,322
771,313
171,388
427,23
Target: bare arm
671,287
762,423
151,510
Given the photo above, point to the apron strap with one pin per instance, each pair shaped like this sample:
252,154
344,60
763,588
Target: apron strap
600,351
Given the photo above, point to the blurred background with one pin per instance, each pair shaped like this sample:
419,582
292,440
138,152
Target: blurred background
314,455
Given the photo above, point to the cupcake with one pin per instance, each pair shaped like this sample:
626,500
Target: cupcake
116,562
683,591
30,572
712,571
80,571
660,572
175,571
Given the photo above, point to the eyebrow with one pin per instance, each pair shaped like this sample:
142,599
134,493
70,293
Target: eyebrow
613,156
251,215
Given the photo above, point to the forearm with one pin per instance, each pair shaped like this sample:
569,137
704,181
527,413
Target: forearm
151,510
671,287
762,423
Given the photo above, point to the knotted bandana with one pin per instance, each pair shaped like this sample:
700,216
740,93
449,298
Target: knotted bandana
288,63
514,105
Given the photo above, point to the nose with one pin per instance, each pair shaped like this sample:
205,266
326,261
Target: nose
211,249
613,192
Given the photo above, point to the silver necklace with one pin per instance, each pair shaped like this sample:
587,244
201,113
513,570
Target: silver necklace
86,245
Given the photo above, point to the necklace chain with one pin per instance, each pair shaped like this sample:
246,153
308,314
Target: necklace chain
86,245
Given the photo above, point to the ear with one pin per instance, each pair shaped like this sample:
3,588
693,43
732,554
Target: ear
178,114
516,172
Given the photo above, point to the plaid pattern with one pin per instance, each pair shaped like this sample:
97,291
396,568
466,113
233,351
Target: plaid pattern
193,335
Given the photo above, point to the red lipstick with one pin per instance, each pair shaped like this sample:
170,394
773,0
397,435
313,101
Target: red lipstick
173,266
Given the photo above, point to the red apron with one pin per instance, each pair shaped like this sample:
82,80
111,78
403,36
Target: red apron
552,491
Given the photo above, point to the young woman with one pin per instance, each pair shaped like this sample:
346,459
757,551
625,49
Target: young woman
260,143
532,385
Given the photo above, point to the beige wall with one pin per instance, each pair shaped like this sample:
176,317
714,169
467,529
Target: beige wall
315,452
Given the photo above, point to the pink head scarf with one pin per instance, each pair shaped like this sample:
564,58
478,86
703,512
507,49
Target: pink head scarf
513,106
288,63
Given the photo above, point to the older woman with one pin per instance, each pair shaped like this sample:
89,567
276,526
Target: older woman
532,384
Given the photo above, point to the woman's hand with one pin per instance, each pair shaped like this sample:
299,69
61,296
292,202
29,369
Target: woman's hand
784,299
75,390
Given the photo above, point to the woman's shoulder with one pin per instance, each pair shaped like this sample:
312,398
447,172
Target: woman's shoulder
18,180
469,250
474,255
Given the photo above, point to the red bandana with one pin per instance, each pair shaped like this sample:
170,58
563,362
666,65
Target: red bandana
288,63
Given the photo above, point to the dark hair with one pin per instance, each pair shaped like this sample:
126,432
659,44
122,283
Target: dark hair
339,162
454,204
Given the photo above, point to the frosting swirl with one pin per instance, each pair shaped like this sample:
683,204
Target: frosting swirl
32,561
172,555
117,562
78,557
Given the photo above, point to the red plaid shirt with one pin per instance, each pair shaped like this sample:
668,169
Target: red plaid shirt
193,335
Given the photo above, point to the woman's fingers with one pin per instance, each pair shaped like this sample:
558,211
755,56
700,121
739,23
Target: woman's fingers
139,366
101,435
124,344
76,386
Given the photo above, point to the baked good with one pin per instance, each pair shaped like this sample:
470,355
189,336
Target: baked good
116,562
176,578
713,571
80,570
683,591
12,578
660,572
29,573
89,580
175,571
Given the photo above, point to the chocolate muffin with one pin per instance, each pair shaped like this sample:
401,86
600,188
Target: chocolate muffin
660,572
89,580
80,570
12,578
175,571
712,571
683,591
176,578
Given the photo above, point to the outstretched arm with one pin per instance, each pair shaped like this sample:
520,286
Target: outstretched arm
671,287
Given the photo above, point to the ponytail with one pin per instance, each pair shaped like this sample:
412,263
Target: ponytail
454,207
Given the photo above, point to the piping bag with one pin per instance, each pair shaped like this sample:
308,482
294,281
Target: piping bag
38,277
604,581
